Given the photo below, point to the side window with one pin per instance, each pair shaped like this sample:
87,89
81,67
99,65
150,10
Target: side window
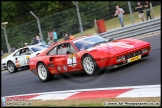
17,53
29,51
23,51
63,48
53,51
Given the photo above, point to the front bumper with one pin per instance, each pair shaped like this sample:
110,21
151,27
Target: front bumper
3,67
119,65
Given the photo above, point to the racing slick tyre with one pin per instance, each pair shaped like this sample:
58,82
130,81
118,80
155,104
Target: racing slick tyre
11,67
43,73
89,65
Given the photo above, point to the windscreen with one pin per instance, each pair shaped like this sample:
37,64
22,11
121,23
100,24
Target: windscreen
37,48
88,42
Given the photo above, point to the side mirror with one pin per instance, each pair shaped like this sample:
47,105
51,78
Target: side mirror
68,52
110,39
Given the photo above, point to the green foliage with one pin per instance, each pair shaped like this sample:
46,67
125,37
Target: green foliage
9,10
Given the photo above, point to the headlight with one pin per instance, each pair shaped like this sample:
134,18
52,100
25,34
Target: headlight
120,58
145,50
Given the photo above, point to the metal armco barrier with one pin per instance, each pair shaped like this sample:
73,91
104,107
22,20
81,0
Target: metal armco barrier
134,30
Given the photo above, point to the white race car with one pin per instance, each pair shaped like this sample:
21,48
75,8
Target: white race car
20,57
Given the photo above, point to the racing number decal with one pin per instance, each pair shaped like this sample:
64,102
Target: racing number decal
27,58
71,61
122,45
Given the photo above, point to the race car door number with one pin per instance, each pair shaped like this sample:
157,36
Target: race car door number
71,61
134,58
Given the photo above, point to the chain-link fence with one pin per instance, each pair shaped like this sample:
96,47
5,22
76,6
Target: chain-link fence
67,21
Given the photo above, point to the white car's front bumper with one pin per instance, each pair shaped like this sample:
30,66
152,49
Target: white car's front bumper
3,66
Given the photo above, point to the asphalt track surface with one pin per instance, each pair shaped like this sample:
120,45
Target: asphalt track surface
144,72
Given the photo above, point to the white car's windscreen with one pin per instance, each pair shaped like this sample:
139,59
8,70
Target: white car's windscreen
37,48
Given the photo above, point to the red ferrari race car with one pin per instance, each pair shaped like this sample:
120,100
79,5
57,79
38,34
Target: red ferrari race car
89,54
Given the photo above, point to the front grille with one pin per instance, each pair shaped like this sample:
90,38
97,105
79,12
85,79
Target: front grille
133,54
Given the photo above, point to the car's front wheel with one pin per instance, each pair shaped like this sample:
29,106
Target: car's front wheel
89,65
43,72
11,67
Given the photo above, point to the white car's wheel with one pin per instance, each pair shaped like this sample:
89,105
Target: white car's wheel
11,67
89,65
43,72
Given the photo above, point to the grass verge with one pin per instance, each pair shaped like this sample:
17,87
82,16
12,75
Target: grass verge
4,56
95,102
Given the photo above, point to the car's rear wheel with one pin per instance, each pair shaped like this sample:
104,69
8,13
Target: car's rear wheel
89,65
11,67
43,72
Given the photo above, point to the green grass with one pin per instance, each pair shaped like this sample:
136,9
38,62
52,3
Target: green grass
90,102
4,56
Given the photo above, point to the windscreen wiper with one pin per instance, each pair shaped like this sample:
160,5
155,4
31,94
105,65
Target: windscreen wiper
100,43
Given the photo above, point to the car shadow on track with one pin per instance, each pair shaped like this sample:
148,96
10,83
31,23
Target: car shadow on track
81,74
71,74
